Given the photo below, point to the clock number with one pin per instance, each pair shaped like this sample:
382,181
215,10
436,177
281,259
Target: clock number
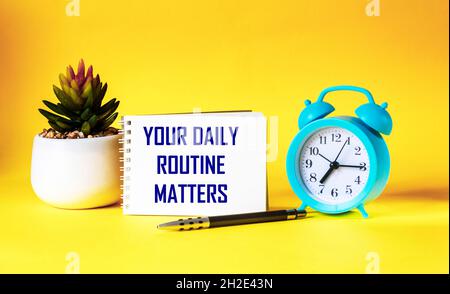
313,150
347,141
348,189
322,186
323,140
363,166
313,177
334,192
336,138
358,180
308,163
357,150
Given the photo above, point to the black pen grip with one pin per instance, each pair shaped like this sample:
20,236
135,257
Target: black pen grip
250,218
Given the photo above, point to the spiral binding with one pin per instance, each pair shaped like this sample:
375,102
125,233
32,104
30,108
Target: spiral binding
125,161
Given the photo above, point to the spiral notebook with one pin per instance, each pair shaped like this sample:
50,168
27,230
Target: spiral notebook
194,164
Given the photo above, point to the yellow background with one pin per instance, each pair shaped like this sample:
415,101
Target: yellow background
269,56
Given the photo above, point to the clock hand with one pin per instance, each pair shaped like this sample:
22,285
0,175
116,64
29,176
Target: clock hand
333,166
340,150
346,165
326,175
324,158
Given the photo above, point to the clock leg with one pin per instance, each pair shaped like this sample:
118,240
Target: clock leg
362,211
303,206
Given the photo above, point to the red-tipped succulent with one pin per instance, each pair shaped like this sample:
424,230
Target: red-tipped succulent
80,106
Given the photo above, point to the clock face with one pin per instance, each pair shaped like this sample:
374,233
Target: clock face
334,165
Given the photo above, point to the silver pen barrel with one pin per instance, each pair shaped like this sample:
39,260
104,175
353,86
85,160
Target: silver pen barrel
187,224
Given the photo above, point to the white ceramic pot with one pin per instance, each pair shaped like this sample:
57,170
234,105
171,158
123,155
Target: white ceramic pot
76,173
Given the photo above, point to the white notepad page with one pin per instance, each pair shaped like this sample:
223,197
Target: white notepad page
203,173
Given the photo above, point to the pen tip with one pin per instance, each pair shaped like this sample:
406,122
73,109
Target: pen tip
165,226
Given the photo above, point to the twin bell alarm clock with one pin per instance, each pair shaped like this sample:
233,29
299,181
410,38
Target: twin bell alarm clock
336,164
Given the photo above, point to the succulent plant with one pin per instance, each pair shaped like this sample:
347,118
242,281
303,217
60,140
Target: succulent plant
80,103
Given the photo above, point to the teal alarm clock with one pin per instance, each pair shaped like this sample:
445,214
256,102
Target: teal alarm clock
337,164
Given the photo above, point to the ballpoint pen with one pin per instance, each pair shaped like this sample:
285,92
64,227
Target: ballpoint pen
193,223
